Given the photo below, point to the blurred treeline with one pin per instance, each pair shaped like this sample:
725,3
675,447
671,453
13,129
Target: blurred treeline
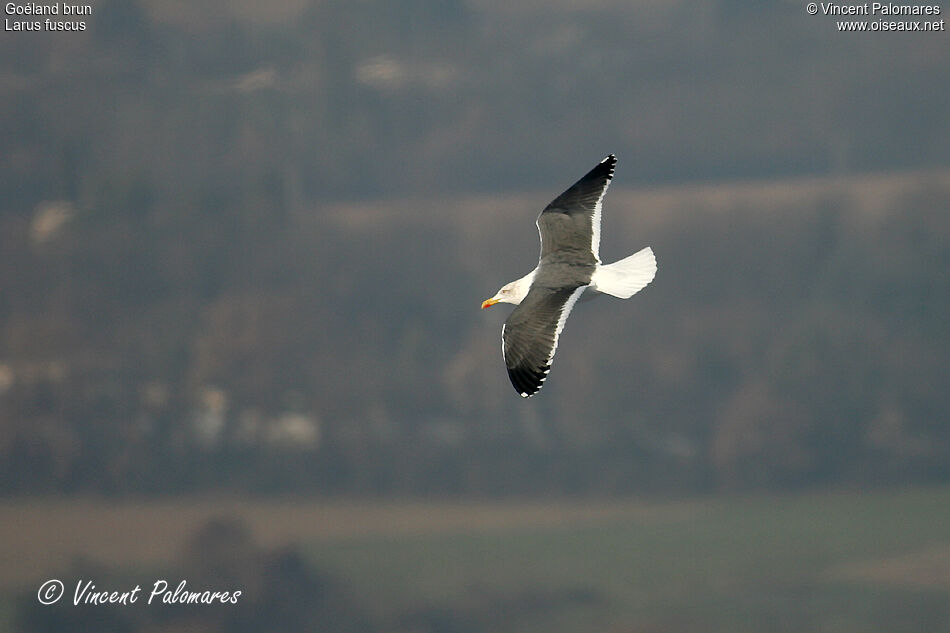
244,246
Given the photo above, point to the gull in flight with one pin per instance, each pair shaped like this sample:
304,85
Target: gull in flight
568,266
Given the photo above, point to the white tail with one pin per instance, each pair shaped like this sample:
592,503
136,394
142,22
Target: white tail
625,278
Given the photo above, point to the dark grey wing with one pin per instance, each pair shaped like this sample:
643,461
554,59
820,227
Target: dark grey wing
529,336
572,221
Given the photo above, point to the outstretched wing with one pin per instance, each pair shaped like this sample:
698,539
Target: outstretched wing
572,220
529,336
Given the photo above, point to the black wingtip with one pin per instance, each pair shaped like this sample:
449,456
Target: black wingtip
610,162
528,382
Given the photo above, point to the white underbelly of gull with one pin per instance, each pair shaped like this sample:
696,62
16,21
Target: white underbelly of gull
568,266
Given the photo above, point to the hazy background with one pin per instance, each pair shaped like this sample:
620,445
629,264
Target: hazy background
242,250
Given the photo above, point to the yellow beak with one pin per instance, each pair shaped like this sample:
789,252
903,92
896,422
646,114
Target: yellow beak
488,303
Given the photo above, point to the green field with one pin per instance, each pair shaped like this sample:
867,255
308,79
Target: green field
841,561
857,562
